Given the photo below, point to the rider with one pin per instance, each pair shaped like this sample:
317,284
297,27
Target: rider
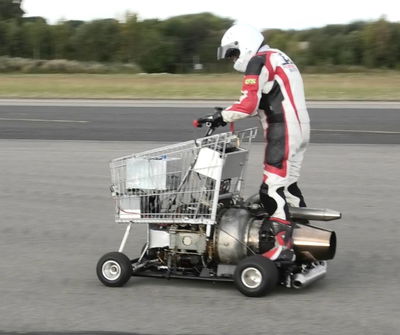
272,88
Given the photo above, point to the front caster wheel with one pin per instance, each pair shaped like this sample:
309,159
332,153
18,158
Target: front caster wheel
114,269
255,276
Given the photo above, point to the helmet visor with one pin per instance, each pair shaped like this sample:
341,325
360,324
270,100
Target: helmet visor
228,50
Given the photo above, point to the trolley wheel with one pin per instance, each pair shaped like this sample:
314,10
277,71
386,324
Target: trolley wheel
255,276
114,269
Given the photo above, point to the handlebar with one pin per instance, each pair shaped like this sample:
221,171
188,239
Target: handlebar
207,121
204,121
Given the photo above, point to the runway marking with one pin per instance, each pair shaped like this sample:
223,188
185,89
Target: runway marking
43,120
356,131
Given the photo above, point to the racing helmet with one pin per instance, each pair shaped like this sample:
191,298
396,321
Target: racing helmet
241,41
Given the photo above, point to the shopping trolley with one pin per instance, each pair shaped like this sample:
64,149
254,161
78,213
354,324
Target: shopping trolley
180,183
198,225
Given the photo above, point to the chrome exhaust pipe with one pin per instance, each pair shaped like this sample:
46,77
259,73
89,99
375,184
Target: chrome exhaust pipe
321,214
313,243
301,280
305,213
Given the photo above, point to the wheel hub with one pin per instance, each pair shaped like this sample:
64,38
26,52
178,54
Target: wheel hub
251,277
111,270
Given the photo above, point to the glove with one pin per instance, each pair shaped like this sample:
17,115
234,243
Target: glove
217,119
214,120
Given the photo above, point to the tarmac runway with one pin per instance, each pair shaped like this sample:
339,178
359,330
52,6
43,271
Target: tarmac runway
345,122
57,220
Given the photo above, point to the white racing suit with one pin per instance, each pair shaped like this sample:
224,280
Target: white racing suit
273,88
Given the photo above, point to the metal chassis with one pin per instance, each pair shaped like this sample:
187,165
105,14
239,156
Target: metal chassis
161,274
154,274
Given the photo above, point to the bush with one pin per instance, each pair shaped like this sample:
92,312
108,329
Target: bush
25,65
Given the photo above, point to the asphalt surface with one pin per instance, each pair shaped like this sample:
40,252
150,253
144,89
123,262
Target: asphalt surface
141,122
57,220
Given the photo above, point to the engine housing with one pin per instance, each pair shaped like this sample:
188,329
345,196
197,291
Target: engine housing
237,236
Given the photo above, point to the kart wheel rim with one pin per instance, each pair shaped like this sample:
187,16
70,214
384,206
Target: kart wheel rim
251,277
111,270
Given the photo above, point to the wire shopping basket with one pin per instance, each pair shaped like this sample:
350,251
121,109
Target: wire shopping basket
180,183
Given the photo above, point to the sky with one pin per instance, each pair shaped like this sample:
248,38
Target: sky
263,14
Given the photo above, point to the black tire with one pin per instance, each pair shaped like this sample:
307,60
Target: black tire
255,276
114,269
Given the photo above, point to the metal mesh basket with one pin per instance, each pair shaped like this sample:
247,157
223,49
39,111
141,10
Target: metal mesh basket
180,183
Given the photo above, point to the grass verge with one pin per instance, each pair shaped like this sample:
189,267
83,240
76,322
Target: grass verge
349,86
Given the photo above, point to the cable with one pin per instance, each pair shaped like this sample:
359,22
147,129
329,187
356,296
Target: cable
233,237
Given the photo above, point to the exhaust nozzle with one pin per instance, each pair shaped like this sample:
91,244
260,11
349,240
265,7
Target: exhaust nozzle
312,243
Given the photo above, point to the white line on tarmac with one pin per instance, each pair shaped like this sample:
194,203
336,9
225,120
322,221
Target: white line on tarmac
43,120
184,103
356,131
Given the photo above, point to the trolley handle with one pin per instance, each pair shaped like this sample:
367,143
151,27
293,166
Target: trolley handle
208,121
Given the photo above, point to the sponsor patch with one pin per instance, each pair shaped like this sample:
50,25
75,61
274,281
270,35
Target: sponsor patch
250,81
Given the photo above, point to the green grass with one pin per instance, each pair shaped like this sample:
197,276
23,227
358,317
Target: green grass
350,86
353,86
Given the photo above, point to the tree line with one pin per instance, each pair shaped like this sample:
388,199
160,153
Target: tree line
187,43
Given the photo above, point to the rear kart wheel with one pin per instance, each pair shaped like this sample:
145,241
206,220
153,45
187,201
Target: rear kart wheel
255,276
114,269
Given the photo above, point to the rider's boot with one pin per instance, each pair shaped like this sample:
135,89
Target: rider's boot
276,241
295,198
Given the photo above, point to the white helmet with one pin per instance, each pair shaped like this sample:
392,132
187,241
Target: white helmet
242,41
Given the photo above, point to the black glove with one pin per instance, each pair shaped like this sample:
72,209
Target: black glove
214,120
217,119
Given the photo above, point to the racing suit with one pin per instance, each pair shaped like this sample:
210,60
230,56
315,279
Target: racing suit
273,88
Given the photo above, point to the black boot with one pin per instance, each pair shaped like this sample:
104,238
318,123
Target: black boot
295,191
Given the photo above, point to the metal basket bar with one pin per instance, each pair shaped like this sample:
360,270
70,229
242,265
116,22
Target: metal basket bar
188,145
180,182
169,221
